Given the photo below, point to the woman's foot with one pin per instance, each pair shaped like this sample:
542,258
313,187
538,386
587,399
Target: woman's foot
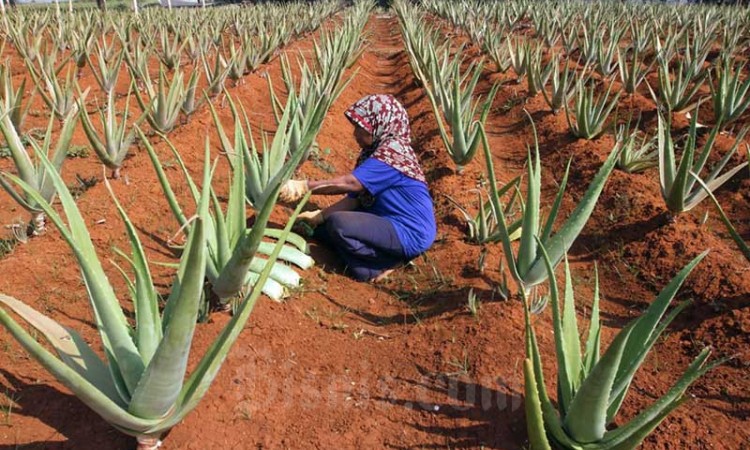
382,276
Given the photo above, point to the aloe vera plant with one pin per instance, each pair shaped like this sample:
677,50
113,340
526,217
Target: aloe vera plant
569,40
80,45
142,388
519,52
57,94
164,102
590,113
195,47
137,54
113,145
606,63
677,186
538,72
263,174
453,102
666,50
636,154
547,27
731,36
730,95
227,228
237,60
697,50
35,174
416,40
494,46
591,387
170,50
13,98
216,75
319,84
264,167
527,265
588,43
27,42
632,73
191,101
641,35
257,53
107,69
674,90
562,84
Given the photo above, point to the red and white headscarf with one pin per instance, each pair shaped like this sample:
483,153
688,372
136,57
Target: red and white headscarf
386,119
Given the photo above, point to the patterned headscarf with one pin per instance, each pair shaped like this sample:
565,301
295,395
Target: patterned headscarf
386,119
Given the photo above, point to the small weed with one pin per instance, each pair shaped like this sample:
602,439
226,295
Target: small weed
620,257
78,151
4,152
44,298
621,209
313,314
319,161
7,245
336,319
11,401
482,259
83,185
502,288
473,303
512,102
441,238
438,277
332,319
462,365
243,412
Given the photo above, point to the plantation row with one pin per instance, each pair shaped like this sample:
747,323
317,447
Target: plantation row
174,95
141,388
583,58
580,77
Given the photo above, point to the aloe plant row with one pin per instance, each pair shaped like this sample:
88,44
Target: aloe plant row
624,38
450,89
141,389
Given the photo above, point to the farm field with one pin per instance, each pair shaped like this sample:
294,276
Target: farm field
409,362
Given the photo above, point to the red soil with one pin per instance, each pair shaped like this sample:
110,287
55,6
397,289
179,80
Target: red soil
343,364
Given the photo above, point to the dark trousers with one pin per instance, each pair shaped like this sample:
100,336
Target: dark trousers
367,243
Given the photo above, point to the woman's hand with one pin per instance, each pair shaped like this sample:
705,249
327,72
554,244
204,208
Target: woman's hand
312,218
293,191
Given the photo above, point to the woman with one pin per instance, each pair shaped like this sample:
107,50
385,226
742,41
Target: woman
387,216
